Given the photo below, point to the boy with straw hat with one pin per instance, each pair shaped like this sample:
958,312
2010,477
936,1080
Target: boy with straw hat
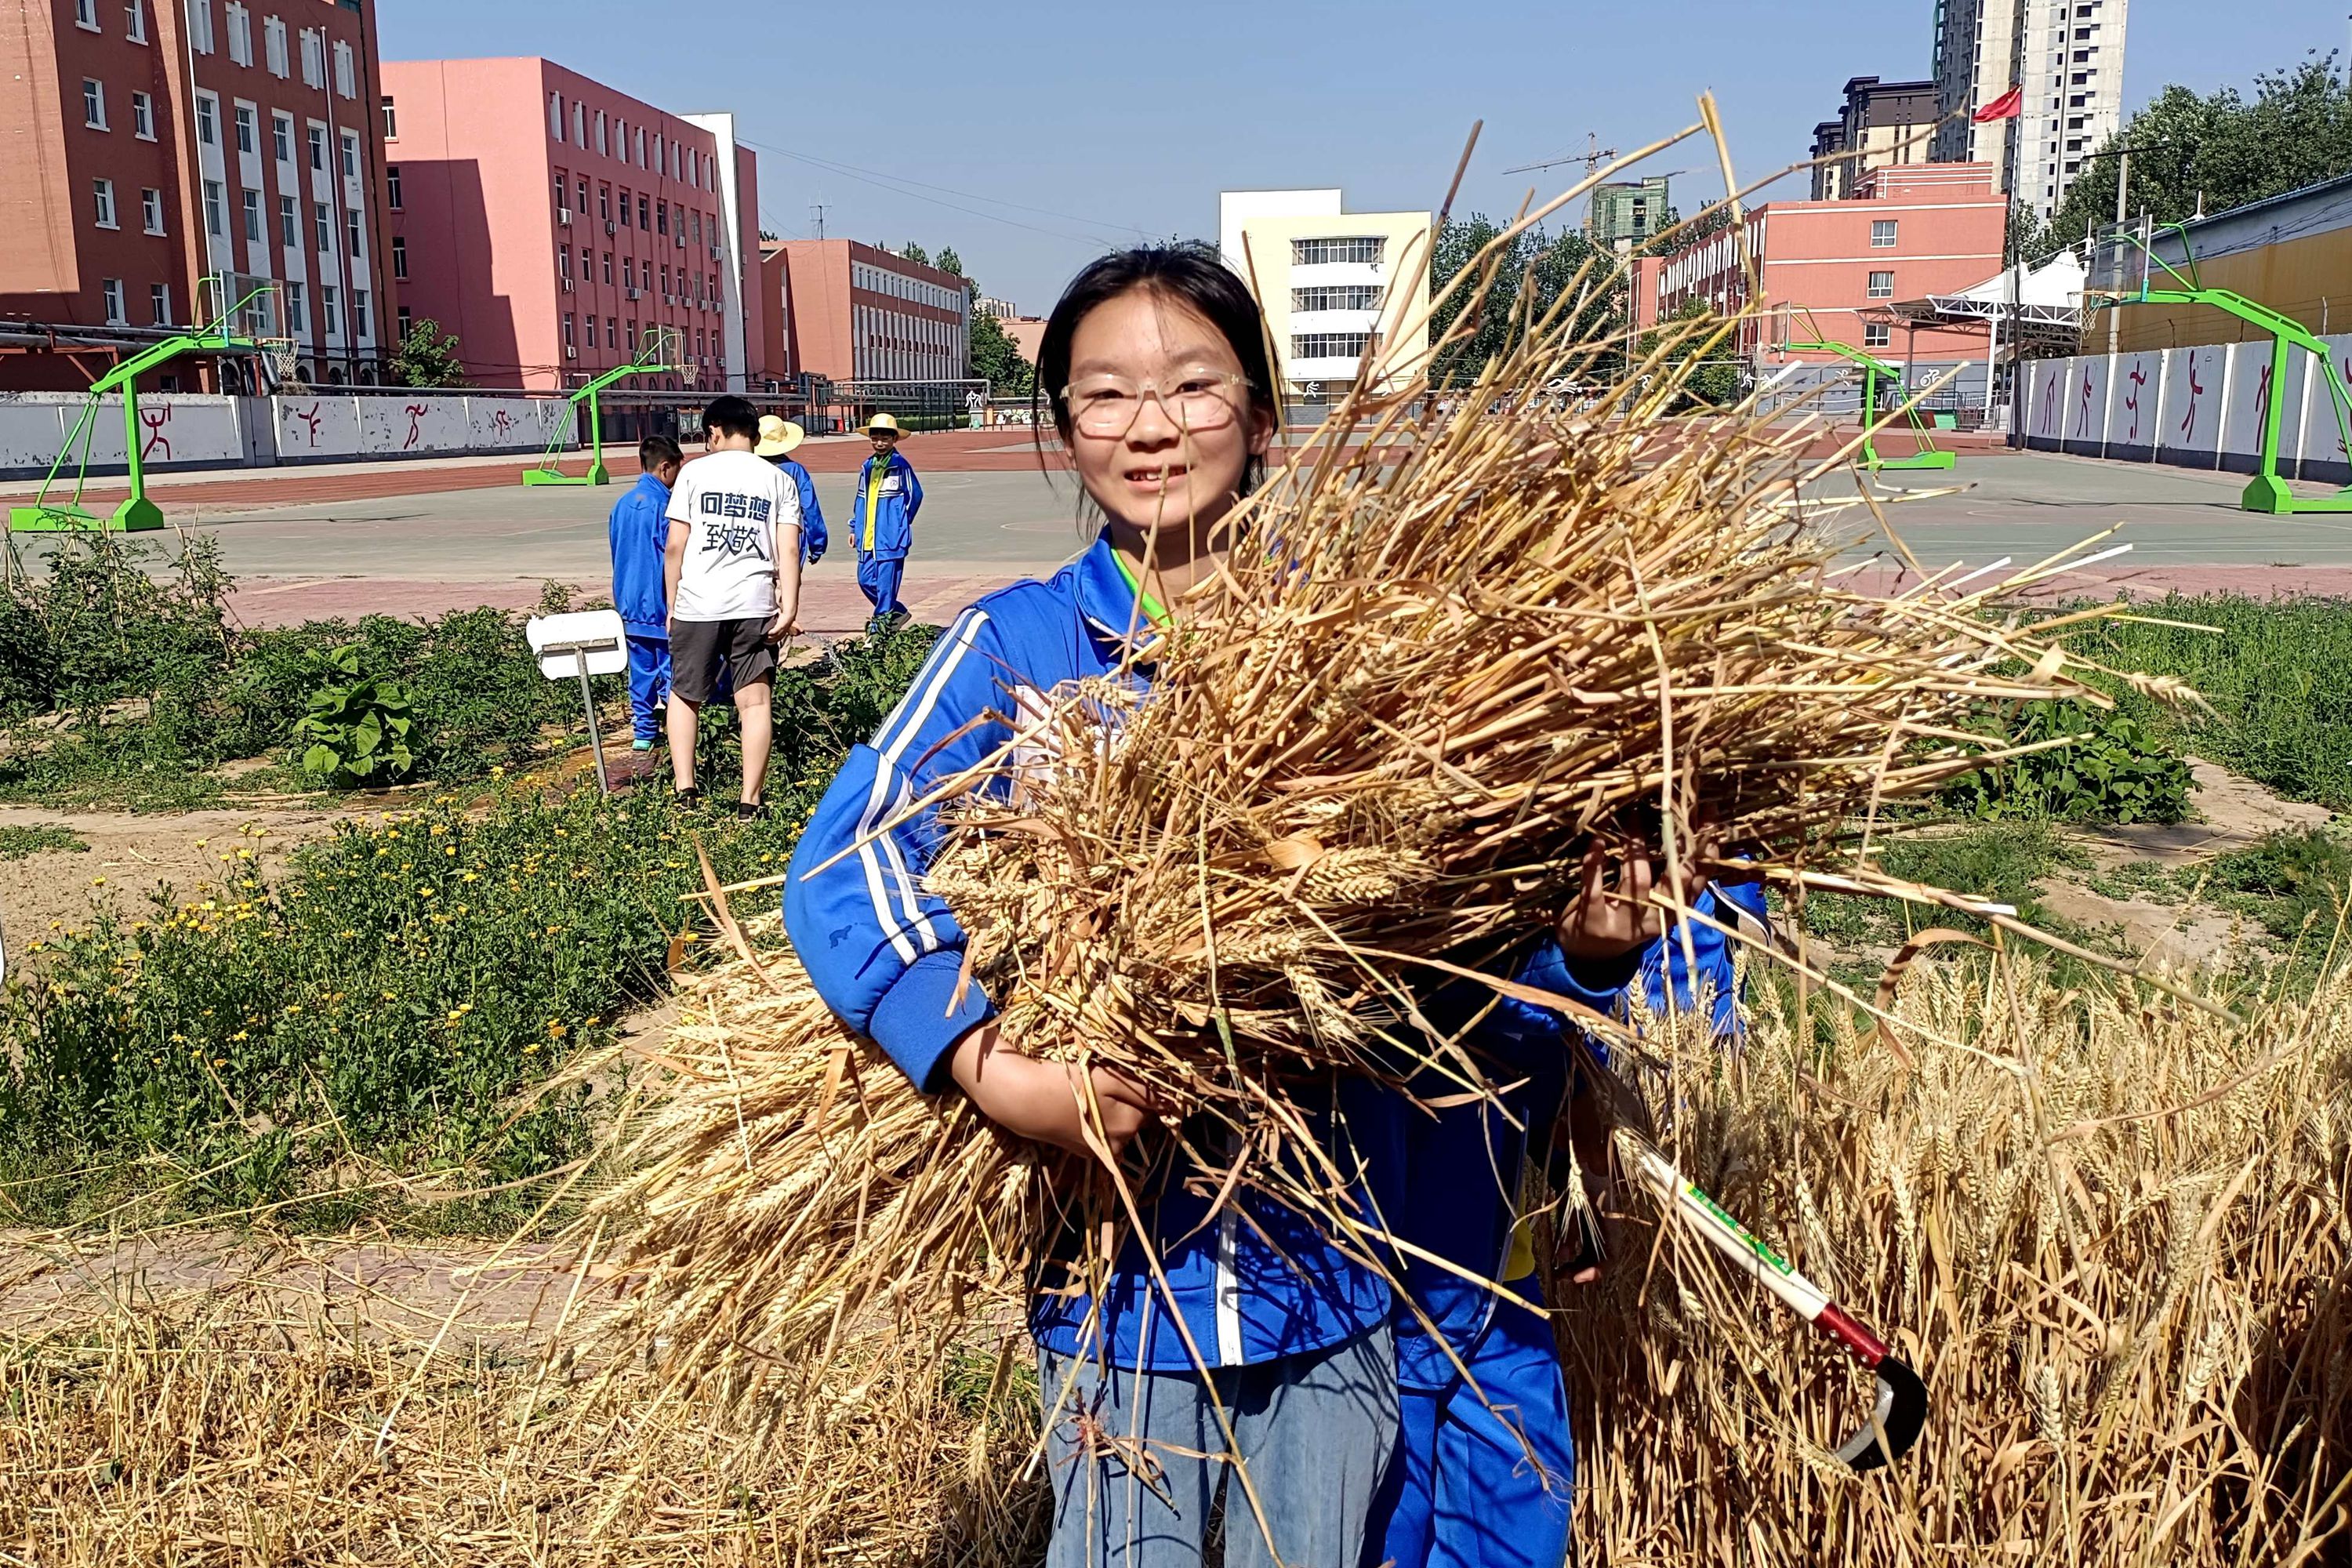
883,515
778,438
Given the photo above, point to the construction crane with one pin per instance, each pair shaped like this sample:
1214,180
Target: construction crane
1590,157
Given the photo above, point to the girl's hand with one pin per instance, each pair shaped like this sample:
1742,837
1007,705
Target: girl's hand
1045,1100
1610,922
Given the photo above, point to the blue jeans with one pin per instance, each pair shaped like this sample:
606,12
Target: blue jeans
1138,1460
649,684
879,575
1463,1492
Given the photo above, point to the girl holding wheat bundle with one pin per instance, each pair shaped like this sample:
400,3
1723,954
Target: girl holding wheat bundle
1232,1326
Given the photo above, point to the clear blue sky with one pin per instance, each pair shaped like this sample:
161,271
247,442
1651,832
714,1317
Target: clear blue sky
1064,128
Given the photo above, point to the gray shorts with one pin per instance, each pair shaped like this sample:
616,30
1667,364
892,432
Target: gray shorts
699,650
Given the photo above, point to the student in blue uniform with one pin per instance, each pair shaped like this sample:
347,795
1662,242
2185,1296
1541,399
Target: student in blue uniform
1485,1456
640,528
882,517
778,438
1156,364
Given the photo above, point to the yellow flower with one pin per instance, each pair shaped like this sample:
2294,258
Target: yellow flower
208,904
390,997
97,881
245,854
424,892
529,1048
593,1022
294,1009
240,1037
345,935
472,876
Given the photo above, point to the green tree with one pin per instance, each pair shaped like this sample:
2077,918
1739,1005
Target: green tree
916,253
997,357
2215,151
423,357
1530,275
1714,374
949,261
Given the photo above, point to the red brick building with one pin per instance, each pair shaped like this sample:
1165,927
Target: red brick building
153,142
858,312
549,221
1830,269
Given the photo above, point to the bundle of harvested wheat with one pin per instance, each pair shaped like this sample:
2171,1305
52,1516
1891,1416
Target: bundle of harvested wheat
2108,1228
1378,750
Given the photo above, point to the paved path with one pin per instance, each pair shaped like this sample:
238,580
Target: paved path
422,553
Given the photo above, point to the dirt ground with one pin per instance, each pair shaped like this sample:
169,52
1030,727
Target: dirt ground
129,857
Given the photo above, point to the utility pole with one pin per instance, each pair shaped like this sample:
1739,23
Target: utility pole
816,219
2123,187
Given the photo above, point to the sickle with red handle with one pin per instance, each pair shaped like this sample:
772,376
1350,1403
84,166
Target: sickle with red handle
1902,1409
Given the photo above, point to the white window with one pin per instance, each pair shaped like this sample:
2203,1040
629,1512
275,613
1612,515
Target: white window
253,217
85,15
641,146
346,73
151,210
273,46
1877,334
1327,345
356,232
289,224
351,142
567,332
399,256
391,120
200,26
240,33
134,18
392,186
1882,233
101,193
314,58
360,327
579,123
281,136
331,313
297,311
1322,252
1882,284
111,289
143,117
555,115
159,304
216,210
93,103
248,128
207,118
317,138
601,147
323,227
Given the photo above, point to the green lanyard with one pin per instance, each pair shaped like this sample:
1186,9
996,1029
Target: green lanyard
877,470
1153,610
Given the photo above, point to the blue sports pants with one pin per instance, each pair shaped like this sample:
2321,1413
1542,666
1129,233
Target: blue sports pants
879,575
649,684
1462,1491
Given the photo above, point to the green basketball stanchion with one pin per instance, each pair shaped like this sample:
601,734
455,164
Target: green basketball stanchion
653,358
1928,456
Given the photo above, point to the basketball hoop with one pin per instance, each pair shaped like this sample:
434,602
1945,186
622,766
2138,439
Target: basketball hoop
688,372
283,358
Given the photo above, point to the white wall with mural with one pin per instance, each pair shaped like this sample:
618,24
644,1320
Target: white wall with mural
184,430
2200,406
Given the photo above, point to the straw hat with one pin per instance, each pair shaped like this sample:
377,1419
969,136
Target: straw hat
880,423
777,436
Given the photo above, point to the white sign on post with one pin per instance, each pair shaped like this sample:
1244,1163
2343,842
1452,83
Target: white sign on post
576,646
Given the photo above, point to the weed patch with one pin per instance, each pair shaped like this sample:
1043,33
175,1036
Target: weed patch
17,842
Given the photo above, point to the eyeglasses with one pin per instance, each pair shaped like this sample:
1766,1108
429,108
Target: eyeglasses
1198,400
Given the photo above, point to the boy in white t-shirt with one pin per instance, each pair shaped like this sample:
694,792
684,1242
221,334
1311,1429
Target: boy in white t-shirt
732,567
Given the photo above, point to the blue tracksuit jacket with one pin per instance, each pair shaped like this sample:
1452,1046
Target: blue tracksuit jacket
887,955
640,529
892,533
813,540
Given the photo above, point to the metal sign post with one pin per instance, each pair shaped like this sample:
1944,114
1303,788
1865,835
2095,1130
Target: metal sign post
576,646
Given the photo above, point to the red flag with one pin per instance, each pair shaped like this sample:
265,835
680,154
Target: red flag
2008,106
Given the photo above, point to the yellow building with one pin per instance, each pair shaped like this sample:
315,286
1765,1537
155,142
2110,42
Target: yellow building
2291,252
1335,285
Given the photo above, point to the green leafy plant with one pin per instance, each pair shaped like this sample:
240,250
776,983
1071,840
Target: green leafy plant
2116,770
17,841
356,733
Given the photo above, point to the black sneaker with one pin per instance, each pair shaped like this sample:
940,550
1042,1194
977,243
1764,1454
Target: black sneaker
690,796
750,810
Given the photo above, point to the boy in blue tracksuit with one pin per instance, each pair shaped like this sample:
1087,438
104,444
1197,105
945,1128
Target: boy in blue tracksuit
1485,1456
778,436
640,529
883,519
